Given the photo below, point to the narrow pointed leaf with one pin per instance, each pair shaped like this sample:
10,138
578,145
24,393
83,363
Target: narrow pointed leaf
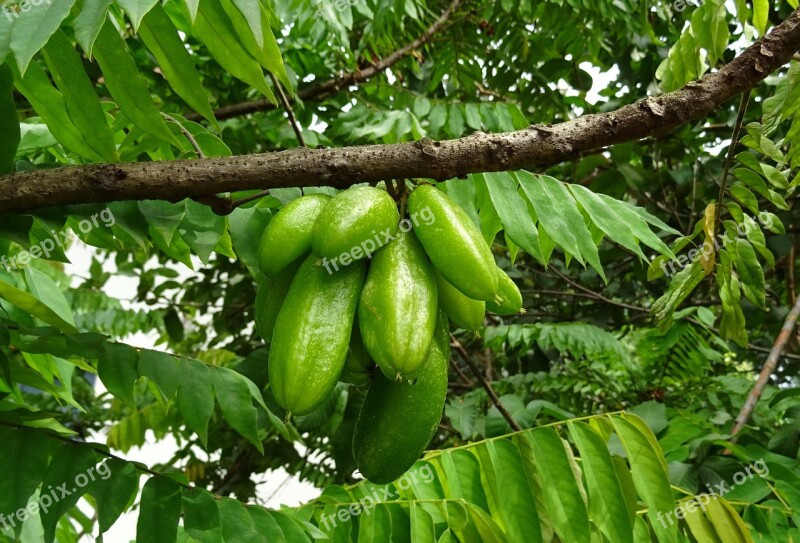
33,27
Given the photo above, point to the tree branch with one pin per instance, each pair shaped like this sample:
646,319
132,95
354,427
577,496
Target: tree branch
485,384
769,367
332,86
343,167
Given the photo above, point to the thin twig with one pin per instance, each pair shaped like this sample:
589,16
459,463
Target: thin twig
729,160
769,367
331,86
289,111
486,386
248,199
597,295
185,132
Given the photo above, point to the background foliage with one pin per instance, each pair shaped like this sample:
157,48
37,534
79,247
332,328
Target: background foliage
607,328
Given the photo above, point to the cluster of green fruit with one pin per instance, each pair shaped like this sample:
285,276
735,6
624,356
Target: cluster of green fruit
329,316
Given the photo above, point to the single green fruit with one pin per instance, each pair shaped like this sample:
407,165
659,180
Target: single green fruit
508,300
397,309
398,420
453,243
465,312
271,293
312,334
287,237
354,225
358,366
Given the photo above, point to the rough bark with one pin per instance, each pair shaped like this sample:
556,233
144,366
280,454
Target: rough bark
342,167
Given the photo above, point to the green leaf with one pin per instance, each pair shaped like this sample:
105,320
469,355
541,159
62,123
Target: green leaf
235,401
650,475
732,325
83,105
201,516
192,6
558,213
607,506
710,28
251,12
237,525
32,305
51,107
513,212
162,369
214,28
117,368
561,495
40,285
196,396
760,15
161,38
246,227
619,224
164,217
266,525
744,196
66,481
32,28
701,529
502,465
10,136
136,10
729,526
201,229
159,511
114,492
750,273
6,23
19,484
89,22
128,86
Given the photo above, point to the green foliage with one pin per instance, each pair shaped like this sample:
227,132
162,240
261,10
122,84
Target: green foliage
645,323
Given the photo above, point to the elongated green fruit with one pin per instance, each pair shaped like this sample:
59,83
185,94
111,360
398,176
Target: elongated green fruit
397,309
287,237
271,293
312,334
398,420
509,299
353,225
358,366
465,312
453,243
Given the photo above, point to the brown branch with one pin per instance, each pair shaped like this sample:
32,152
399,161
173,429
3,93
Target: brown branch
769,367
596,295
441,160
737,127
331,86
289,111
484,383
